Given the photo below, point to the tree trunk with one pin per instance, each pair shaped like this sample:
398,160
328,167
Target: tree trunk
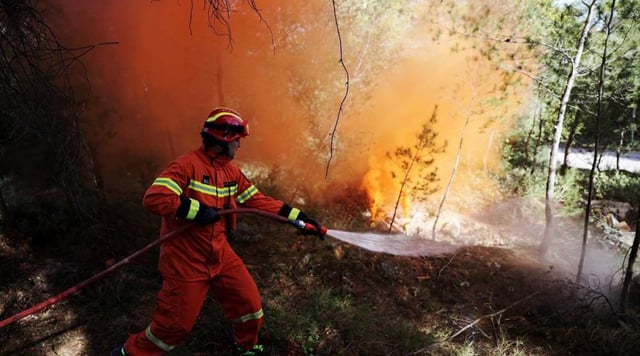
567,147
3,209
453,174
405,180
628,275
619,149
594,165
549,209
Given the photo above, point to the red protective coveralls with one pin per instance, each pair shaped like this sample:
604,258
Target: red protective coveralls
200,259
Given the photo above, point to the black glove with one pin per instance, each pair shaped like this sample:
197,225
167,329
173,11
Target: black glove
206,215
312,226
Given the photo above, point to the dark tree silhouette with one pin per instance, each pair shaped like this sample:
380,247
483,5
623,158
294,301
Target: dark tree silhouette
39,123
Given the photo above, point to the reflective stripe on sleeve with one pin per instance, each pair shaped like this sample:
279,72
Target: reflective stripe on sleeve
293,214
193,209
243,319
161,344
247,194
169,184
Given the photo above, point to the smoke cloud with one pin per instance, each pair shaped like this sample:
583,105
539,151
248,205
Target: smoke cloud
148,95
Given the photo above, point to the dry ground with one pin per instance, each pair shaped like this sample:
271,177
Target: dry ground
495,296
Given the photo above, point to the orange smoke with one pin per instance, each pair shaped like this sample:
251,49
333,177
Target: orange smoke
149,95
404,100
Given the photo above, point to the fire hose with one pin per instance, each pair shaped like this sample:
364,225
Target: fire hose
73,290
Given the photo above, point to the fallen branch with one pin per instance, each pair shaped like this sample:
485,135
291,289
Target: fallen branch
448,263
472,324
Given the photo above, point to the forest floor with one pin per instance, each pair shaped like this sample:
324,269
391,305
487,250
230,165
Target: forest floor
496,295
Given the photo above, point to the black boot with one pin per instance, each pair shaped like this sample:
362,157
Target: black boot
118,351
254,351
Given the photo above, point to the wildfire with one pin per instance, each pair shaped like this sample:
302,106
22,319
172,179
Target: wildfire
371,183
382,189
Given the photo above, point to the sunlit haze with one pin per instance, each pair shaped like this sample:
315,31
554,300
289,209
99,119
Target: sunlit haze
149,94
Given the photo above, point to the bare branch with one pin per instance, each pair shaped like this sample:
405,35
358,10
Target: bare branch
449,262
472,324
219,11
344,98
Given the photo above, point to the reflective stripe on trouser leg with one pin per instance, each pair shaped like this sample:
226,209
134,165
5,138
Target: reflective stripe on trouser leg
177,308
237,293
251,316
161,344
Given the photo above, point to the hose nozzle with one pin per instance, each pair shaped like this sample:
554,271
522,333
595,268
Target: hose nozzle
300,224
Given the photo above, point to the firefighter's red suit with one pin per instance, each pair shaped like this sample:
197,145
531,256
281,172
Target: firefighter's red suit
200,260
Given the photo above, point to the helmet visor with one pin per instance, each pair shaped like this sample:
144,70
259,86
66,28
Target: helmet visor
242,129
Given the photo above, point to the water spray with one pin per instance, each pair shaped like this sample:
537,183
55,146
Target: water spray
394,244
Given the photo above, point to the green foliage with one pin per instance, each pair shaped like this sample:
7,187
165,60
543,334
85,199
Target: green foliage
618,127
550,33
571,192
618,186
309,342
615,104
525,175
524,171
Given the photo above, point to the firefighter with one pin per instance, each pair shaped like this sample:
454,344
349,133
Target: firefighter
193,188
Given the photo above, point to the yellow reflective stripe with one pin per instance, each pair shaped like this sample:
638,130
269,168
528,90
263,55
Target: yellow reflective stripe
216,116
169,184
161,344
212,190
293,214
243,319
193,209
247,194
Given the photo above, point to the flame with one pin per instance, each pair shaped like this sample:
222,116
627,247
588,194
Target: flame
371,184
405,204
382,189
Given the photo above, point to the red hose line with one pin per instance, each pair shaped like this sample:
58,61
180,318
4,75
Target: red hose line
73,290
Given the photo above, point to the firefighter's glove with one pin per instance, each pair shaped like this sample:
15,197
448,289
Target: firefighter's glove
312,226
309,227
199,213
206,215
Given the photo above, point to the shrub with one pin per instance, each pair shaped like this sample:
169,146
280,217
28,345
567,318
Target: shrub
618,186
